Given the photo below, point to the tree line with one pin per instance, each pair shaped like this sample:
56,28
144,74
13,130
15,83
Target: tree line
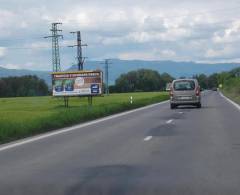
23,86
133,81
216,79
150,80
141,80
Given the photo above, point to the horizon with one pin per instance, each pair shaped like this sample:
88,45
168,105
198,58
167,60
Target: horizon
127,60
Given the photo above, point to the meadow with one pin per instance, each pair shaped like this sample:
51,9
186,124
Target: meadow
231,88
26,116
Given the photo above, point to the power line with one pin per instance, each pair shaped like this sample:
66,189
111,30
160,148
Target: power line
32,48
74,21
20,39
26,48
183,26
195,26
55,47
79,46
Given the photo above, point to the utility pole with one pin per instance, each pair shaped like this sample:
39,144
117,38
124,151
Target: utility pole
55,46
79,46
106,76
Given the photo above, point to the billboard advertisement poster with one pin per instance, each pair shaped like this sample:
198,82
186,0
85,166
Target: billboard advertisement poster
79,83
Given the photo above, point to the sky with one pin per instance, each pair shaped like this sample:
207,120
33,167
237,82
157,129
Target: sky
186,30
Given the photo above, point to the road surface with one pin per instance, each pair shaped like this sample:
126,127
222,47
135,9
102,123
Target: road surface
151,151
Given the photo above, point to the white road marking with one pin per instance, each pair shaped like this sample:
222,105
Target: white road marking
169,121
180,112
230,101
73,128
148,138
221,95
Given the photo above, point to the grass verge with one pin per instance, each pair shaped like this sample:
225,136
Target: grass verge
23,117
232,89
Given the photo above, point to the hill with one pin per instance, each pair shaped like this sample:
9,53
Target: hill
4,72
176,69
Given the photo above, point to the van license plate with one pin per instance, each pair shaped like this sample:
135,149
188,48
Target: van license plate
185,98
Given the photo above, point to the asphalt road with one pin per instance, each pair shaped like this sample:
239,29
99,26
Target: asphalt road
150,151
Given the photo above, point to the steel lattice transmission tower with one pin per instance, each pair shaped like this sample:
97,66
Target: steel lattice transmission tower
79,46
107,75
55,47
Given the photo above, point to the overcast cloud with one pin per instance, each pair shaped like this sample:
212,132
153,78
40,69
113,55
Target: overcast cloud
191,30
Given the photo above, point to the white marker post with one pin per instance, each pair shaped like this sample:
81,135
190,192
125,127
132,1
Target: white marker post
131,99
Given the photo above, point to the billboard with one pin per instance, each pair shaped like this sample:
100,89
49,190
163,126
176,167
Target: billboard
79,83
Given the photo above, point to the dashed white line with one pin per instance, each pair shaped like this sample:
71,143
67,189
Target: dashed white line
169,121
148,138
180,112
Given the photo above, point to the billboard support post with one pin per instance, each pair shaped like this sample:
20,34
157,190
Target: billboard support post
90,100
66,100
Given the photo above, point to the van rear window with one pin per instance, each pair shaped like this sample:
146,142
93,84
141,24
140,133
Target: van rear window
184,85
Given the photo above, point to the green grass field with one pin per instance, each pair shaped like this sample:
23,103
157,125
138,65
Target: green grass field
232,89
22,117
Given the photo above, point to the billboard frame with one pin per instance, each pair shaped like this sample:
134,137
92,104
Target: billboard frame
90,96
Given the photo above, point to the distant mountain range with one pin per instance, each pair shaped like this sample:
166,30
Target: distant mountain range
176,69
4,72
118,67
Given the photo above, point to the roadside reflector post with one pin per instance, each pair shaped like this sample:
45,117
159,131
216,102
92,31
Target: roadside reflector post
131,100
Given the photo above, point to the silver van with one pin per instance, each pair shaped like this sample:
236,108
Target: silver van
185,92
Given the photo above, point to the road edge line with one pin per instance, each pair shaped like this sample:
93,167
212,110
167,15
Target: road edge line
73,128
236,105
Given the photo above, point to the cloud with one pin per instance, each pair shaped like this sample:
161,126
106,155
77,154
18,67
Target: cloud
154,29
27,65
168,53
230,34
224,53
137,55
154,54
2,52
10,66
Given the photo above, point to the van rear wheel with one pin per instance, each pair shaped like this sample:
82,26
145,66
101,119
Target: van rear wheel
199,105
173,106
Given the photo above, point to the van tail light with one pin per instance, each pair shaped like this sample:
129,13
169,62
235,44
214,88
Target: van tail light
171,92
198,91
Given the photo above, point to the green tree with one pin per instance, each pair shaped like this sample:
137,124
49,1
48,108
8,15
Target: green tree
142,80
23,86
213,81
202,80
